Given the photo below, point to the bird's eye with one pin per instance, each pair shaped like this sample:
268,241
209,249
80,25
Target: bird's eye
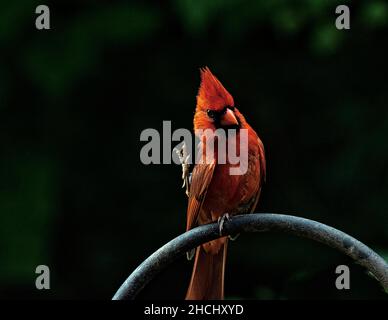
211,113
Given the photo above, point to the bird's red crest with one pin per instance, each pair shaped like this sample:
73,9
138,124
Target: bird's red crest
212,94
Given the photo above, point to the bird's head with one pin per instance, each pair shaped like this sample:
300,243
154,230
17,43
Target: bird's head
215,105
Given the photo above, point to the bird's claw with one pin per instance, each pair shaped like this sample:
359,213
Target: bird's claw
190,254
221,220
234,237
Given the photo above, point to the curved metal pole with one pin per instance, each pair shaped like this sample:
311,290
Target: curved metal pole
258,222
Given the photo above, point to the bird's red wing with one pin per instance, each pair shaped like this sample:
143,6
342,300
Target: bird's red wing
200,181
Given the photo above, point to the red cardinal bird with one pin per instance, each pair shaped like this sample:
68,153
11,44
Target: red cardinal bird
214,192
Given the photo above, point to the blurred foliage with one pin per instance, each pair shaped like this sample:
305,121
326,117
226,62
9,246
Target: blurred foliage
74,99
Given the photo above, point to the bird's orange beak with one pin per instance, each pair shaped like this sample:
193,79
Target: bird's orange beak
229,119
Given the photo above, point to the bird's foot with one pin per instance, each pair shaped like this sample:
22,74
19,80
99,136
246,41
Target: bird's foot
221,220
190,254
184,160
233,237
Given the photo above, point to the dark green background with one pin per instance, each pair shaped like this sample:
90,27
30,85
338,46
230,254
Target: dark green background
74,100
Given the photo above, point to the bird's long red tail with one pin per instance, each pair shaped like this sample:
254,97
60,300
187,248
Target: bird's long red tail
207,279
